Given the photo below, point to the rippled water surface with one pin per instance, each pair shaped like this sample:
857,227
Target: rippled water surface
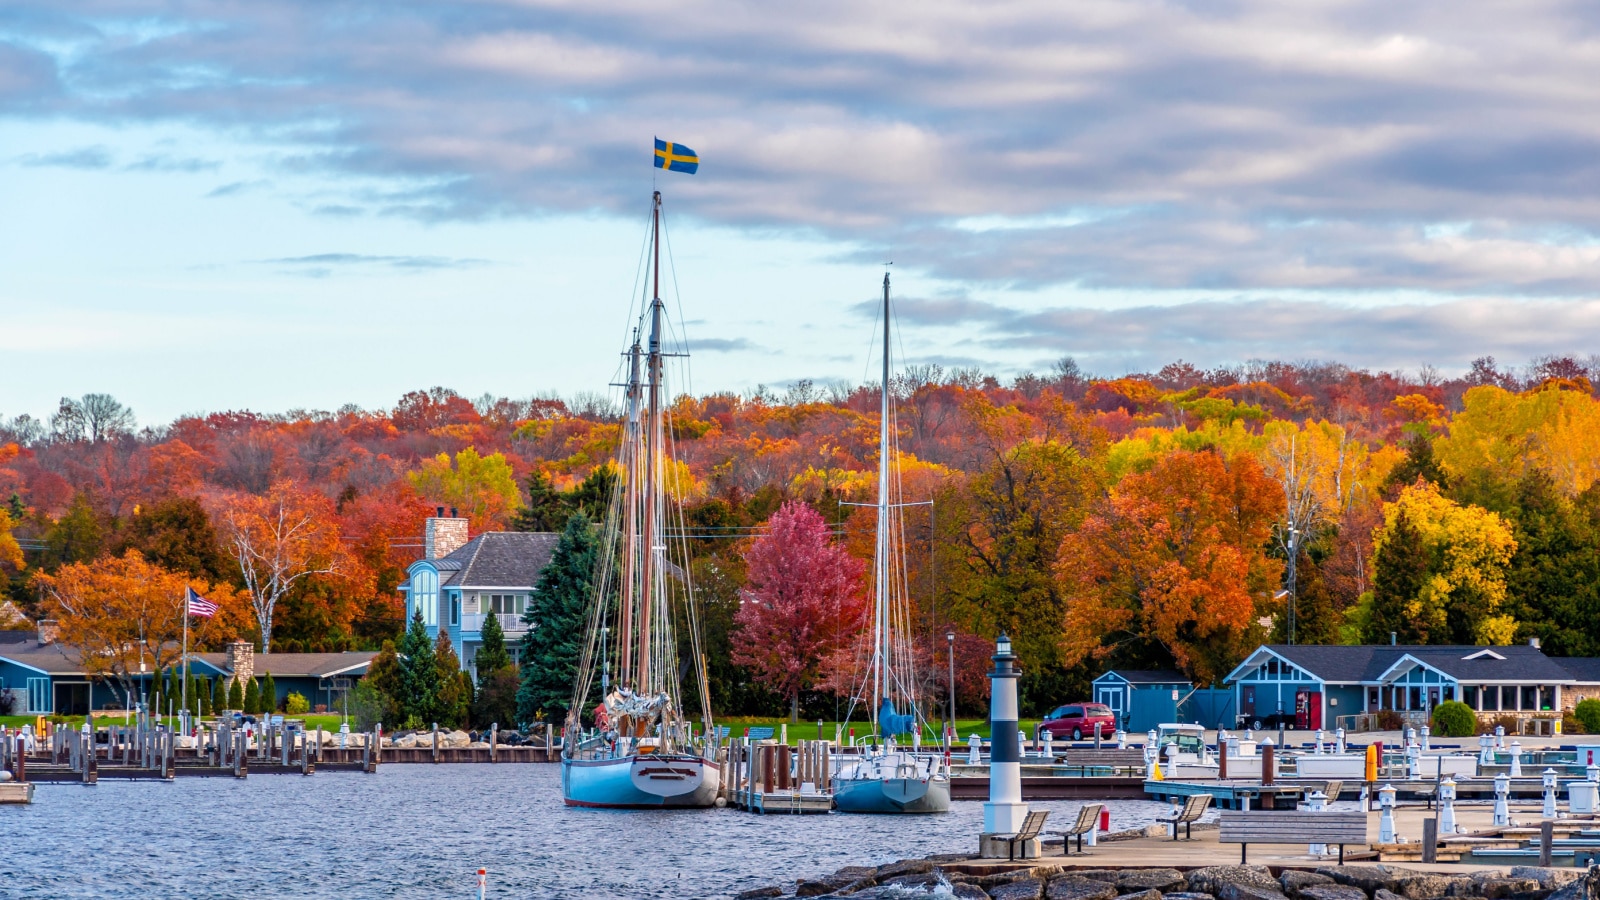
423,831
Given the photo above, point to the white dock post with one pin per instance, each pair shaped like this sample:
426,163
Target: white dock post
1317,802
1386,834
1049,745
974,750
1413,762
1122,739
1485,750
1320,735
1502,792
1338,740
1499,737
1549,811
1005,811
1516,759
1447,806
1425,733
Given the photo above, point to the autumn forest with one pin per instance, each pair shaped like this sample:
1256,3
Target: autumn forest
1165,519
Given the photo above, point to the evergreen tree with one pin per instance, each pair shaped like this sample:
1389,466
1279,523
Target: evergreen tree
1316,615
492,655
252,698
1418,464
1400,569
1553,583
419,677
547,507
202,695
454,702
556,618
176,534
378,703
269,695
236,696
219,697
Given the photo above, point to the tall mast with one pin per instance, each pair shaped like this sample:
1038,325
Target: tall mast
651,450
880,590
630,494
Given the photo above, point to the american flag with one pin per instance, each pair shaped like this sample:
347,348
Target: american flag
200,606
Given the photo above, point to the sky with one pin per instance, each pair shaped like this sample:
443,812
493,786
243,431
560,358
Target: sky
278,205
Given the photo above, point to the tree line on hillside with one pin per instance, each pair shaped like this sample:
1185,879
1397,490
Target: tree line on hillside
1148,520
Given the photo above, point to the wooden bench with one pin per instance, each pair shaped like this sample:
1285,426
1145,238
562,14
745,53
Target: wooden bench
1193,809
1304,826
1031,826
759,732
1088,820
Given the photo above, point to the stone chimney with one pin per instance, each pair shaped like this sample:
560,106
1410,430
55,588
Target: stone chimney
49,631
242,660
443,536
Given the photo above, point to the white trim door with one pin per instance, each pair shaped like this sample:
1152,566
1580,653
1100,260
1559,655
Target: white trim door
1112,697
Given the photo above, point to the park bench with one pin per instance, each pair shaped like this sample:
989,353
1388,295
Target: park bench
1088,820
1031,827
759,732
1304,826
1193,809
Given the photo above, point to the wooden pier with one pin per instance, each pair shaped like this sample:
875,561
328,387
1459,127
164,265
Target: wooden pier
768,777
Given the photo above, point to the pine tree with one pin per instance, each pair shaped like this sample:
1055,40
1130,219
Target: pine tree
547,507
219,697
269,695
252,698
554,643
202,692
419,677
1400,570
492,655
495,700
236,696
454,701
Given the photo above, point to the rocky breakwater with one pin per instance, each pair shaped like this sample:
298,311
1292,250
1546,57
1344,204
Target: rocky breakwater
941,877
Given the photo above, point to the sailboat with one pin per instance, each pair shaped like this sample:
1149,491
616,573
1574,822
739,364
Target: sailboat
642,750
892,779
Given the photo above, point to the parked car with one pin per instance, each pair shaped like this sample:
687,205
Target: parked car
1079,719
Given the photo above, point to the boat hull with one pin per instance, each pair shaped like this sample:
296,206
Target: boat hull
892,795
676,781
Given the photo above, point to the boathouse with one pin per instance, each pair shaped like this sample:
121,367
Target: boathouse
1142,700
1316,686
461,581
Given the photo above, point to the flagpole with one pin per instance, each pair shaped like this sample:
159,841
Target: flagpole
185,718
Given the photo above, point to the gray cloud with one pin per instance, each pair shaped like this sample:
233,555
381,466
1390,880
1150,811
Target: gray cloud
319,265
80,158
1392,336
164,163
1348,146
721,345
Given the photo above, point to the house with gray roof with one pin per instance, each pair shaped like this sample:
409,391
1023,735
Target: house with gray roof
1312,686
460,581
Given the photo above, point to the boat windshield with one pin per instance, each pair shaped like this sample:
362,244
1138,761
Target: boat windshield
1187,743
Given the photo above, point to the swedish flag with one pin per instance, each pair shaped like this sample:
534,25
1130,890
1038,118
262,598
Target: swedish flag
676,157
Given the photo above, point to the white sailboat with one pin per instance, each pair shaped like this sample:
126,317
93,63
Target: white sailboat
642,751
891,778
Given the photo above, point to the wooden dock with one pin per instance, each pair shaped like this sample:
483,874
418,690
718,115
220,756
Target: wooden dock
16,792
771,778
1105,787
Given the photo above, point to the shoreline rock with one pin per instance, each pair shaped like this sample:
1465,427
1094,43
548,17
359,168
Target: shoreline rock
943,876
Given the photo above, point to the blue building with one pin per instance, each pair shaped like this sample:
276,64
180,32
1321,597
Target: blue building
1142,700
461,581
1312,686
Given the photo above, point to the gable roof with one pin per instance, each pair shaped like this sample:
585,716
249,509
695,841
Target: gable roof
1583,669
1153,676
51,659
300,665
499,559
1368,663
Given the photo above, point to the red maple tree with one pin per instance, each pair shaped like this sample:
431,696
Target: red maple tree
804,603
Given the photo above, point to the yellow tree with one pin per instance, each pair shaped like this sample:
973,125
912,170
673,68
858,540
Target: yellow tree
10,550
279,539
124,614
482,487
1466,551
1498,436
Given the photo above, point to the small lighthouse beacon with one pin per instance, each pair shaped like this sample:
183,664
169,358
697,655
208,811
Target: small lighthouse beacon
1005,811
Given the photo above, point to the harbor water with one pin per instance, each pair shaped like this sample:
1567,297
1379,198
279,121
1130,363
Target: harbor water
423,831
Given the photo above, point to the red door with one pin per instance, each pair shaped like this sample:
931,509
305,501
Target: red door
1314,709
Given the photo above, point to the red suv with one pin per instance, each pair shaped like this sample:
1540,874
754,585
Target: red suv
1079,720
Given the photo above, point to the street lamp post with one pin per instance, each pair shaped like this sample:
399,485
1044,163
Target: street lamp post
1294,557
950,714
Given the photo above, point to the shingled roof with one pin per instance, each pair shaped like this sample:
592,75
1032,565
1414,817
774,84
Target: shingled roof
498,559
1368,662
299,665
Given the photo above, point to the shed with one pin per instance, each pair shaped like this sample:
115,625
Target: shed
1141,700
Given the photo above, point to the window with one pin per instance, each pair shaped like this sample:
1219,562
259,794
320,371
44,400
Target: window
507,604
455,611
1530,697
425,593
1470,695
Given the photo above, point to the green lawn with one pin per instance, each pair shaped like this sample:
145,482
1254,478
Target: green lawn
808,730
327,722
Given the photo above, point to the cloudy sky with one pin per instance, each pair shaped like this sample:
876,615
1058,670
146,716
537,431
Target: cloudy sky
261,204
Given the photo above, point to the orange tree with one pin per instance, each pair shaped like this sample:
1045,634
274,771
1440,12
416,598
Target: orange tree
1172,566
122,613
